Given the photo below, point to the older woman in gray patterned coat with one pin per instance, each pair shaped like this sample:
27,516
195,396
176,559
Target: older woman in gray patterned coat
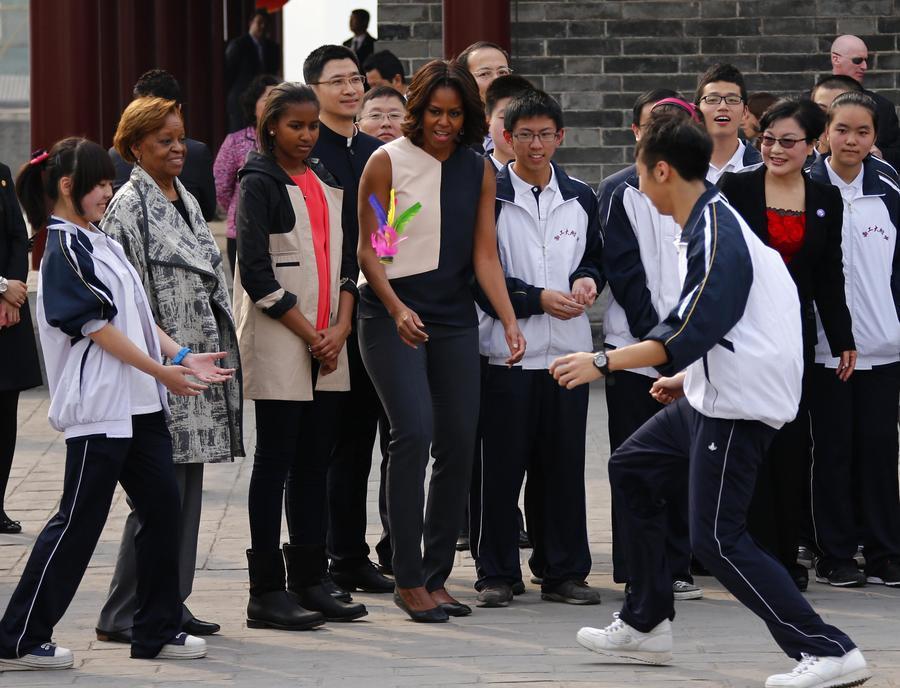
165,237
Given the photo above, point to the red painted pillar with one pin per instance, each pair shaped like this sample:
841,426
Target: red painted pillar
468,21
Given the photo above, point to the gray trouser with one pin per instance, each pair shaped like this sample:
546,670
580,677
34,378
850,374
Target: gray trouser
118,610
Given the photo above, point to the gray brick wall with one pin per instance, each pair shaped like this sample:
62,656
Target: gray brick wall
596,57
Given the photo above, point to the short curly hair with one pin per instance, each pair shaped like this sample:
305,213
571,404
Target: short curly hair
142,116
451,74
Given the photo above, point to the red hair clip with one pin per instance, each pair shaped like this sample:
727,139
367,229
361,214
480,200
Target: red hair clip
38,157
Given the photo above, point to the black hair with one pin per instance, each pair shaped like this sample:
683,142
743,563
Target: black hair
315,62
463,57
363,16
677,140
451,74
259,13
758,103
508,86
530,104
805,112
387,64
721,72
284,94
859,98
37,184
835,81
253,92
158,83
383,92
645,99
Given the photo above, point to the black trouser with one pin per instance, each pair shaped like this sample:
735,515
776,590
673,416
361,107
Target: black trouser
776,511
351,462
854,464
294,440
721,457
63,549
231,249
529,421
9,404
629,405
430,395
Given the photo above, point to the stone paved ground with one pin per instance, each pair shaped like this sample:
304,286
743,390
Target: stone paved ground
532,642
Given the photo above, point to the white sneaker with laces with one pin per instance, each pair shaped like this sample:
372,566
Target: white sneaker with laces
683,590
46,656
621,640
183,646
824,672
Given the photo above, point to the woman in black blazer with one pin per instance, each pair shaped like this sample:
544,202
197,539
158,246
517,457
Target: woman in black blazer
20,369
801,219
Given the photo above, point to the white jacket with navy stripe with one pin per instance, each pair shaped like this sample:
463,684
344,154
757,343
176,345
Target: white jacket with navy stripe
90,390
871,255
567,248
640,261
736,327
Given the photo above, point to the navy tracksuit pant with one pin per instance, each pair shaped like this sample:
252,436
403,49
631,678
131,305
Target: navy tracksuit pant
854,465
722,458
530,423
629,405
63,549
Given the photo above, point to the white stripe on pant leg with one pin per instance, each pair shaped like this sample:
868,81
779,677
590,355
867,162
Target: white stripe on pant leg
812,473
55,547
737,570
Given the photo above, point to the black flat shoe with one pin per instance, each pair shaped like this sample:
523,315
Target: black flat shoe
316,598
365,578
8,526
114,636
456,609
433,615
336,591
198,627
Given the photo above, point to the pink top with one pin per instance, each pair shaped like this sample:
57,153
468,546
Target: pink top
317,208
229,160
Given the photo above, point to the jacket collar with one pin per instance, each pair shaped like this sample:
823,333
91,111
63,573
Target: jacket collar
872,184
706,198
506,191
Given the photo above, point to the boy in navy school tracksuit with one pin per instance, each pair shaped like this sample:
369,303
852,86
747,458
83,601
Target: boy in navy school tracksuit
549,244
736,332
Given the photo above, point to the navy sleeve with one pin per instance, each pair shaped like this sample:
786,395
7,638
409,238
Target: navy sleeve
828,280
525,298
591,264
624,269
72,293
715,293
255,212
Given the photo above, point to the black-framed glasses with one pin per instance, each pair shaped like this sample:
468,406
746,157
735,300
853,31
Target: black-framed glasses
356,81
716,99
529,136
769,141
855,60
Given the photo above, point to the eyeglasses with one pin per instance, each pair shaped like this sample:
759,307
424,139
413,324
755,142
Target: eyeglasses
489,73
716,99
855,60
354,81
394,116
529,136
769,141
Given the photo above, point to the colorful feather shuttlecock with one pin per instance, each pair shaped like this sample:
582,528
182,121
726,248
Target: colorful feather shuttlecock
390,227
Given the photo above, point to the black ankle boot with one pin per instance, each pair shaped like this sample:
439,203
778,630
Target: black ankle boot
306,565
270,605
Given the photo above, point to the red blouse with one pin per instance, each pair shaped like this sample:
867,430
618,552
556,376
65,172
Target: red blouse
786,231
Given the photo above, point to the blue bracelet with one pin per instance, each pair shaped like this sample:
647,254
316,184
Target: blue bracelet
181,354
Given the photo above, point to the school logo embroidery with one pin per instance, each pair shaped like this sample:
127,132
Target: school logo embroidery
876,230
565,232
712,446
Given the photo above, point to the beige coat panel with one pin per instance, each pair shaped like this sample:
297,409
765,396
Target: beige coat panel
276,362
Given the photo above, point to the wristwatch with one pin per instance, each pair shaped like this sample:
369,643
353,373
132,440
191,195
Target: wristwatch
602,363
4,285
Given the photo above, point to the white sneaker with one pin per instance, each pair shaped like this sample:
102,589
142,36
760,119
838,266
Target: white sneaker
824,672
621,640
46,656
682,590
183,646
